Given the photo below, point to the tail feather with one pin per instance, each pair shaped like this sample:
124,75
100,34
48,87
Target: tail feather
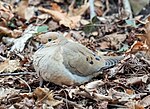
110,62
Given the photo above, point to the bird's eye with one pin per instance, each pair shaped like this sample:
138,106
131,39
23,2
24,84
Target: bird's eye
49,39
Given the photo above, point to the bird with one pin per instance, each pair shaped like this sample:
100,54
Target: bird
64,62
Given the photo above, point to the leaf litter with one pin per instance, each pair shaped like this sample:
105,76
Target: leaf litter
25,25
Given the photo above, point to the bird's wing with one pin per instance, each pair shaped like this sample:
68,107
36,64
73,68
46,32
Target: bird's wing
80,60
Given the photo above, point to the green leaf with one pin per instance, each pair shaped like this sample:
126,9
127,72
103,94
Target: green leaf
42,29
124,48
89,28
95,20
131,23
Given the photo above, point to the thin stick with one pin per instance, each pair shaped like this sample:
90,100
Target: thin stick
127,8
70,102
25,83
107,8
16,74
92,10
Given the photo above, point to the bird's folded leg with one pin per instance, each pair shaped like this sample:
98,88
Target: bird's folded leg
41,81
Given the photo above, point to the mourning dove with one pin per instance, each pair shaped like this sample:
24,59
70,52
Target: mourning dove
66,63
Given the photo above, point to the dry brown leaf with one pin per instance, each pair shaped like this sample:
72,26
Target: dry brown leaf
104,45
133,105
2,49
29,13
77,11
94,84
56,15
99,97
21,9
103,105
20,42
9,65
137,46
6,13
129,91
116,40
4,92
56,7
71,22
63,18
123,96
99,7
146,37
137,106
24,11
46,96
11,33
135,80
145,101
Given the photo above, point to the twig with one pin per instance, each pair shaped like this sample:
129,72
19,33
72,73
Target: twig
107,8
45,96
25,83
92,11
3,58
16,74
70,102
127,8
116,105
147,61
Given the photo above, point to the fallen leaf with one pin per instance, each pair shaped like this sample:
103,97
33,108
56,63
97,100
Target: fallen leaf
136,47
56,7
20,42
22,7
9,65
6,13
99,97
116,40
43,28
4,92
131,23
29,13
135,80
77,11
94,84
145,101
46,96
63,18
11,33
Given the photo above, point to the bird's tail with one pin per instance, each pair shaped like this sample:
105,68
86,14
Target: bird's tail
112,61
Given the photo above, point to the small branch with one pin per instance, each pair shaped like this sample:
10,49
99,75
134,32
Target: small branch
70,102
25,83
107,8
16,74
127,8
92,10
3,58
